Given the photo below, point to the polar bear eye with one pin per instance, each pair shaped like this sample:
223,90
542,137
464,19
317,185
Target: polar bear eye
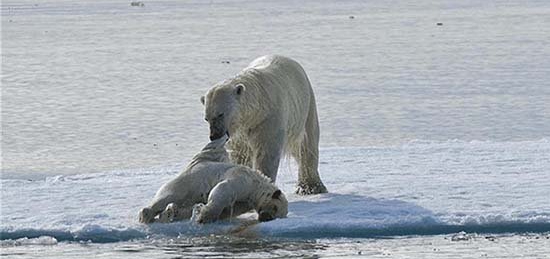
206,119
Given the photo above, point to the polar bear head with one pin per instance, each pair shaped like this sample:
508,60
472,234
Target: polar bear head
275,206
222,108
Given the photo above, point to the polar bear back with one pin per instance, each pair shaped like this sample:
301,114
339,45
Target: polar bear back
287,88
193,185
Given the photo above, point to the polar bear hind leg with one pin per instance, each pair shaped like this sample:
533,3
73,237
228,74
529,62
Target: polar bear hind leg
174,212
167,215
237,209
219,198
307,156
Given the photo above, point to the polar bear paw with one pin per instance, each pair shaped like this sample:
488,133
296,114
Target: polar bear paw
168,214
309,189
201,215
197,208
146,216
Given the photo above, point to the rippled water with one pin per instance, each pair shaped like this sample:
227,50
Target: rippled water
450,246
96,85
100,86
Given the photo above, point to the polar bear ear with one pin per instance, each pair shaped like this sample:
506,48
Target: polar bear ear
202,100
276,194
239,89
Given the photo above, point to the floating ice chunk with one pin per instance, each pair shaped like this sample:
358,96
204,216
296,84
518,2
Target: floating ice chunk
462,236
137,3
42,240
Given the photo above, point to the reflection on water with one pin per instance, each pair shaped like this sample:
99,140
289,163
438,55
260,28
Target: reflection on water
441,246
216,246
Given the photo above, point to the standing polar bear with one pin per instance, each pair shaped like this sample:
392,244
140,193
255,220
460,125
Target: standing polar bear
227,189
268,109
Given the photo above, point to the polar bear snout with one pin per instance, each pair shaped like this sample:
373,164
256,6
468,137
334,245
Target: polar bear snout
216,135
217,129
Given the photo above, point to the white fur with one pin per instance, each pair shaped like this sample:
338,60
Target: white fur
227,189
274,114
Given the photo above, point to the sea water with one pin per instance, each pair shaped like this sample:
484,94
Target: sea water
434,116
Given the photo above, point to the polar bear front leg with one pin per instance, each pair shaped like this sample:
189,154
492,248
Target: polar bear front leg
268,150
147,215
241,153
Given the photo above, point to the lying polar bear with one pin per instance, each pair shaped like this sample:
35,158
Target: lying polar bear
227,189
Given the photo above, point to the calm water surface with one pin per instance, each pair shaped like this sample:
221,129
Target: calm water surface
90,86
